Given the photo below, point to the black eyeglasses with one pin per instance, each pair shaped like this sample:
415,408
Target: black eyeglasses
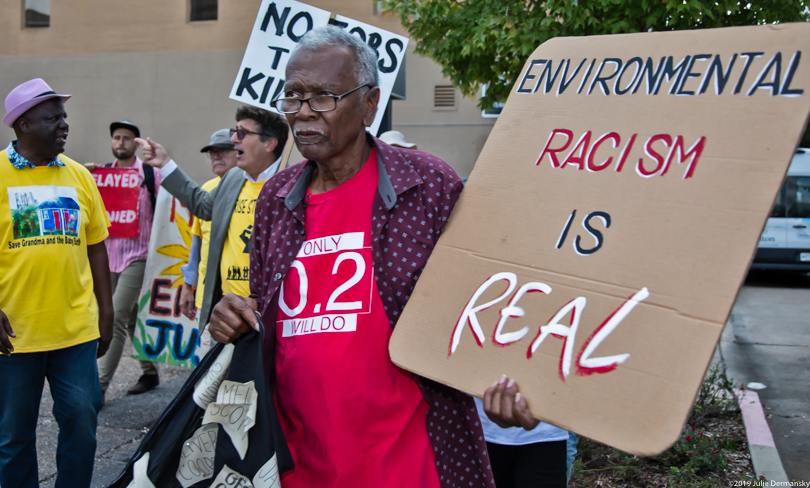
320,103
241,132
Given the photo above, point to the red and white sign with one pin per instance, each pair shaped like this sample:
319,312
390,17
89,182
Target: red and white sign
119,188
311,310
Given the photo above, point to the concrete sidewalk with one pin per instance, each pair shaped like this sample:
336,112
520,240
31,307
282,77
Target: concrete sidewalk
764,456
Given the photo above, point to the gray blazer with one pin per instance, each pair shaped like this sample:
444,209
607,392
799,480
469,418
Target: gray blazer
217,207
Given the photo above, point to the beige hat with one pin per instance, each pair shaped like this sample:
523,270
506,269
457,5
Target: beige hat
395,138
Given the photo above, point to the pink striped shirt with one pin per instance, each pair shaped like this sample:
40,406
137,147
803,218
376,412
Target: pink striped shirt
122,252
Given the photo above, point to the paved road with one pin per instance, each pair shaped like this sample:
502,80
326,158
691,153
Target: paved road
767,340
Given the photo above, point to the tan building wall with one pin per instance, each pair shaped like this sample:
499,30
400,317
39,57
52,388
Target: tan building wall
144,61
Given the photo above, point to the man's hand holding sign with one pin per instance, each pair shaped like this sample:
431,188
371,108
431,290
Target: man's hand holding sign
505,406
595,262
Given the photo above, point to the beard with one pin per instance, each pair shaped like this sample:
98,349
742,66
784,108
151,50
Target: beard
122,153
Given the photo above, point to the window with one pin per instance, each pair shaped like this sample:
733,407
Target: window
444,97
798,197
778,210
203,10
494,111
37,13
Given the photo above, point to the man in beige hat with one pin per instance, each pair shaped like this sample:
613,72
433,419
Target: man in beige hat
56,308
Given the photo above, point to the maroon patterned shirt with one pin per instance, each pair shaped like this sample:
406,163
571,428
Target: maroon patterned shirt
416,193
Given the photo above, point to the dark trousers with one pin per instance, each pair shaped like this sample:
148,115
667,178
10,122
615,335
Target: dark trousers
73,378
540,465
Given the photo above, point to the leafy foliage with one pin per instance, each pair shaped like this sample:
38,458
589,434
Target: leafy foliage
710,452
488,41
715,397
699,453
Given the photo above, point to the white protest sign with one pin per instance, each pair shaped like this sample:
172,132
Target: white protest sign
227,477
390,50
235,409
279,26
267,476
139,477
205,391
197,456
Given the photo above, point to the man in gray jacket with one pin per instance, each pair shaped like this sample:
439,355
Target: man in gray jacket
259,139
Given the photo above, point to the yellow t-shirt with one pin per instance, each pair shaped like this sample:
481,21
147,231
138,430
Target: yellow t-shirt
235,261
202,228
48,217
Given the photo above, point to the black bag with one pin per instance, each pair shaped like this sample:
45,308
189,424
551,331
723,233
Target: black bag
180,420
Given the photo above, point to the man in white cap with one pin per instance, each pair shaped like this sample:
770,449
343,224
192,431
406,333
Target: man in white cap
220,150
127,258
397,139
56,308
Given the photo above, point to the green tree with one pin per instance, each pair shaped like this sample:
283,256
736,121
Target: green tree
487,41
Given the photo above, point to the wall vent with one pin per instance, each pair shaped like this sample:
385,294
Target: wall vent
202,10
444,97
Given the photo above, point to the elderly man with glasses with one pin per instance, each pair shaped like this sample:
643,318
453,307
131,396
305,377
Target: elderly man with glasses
258,139
339,242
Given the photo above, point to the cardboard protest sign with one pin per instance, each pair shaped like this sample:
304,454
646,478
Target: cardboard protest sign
119,188
608,224
163,334
278,28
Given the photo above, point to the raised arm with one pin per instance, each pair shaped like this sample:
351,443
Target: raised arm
175,181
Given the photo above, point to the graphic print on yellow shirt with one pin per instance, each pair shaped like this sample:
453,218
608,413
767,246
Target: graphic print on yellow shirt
44,211
235,262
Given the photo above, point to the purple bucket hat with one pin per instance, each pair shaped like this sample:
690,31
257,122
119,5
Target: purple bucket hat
27,95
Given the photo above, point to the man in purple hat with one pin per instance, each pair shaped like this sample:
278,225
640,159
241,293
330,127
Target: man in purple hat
56,309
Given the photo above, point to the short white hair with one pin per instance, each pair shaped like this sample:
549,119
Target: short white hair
328,36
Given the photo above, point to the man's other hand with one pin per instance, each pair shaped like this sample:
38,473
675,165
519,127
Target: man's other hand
232,317
105,330
187,301
506,407
6,348
92,166
153,153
